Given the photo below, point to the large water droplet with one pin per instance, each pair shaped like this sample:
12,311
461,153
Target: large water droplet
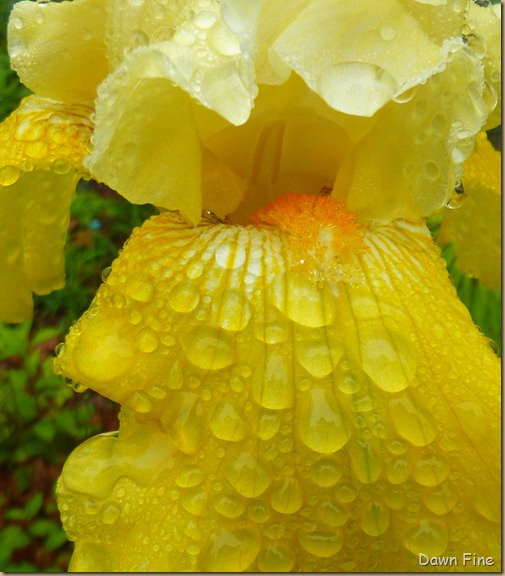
268,425
320,543
357,88
412,423
272,380
227,424
208,348
365,459
398,470
287,497
229,505
184,297
184,421
232,311
9,175
275,559
147,340
472,419
332,513
326,472
140,287
375,519
457,197
320,421
248,476
440,501
428,538
431,471
189,476
319,356
231,551
230,256
194,502
110,513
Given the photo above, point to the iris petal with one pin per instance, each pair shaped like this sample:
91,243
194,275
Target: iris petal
262,407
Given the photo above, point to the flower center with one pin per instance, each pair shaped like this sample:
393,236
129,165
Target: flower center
316,228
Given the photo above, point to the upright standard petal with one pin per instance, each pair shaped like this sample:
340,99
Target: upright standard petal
42,145
475,227
59,50
288,390
415,151
146,145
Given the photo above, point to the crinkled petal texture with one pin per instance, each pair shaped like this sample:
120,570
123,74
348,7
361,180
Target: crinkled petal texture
327,413
59,50
475,227
42,145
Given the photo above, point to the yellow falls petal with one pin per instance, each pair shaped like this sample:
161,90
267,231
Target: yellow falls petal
475,227
59,50
42,145
145,144
415,151
271,418
353,55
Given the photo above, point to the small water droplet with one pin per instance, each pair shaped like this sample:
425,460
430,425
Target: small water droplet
147,341
412,423
39,17
229,505
230,256
431,471
275,559
60,349
287,497
110,513
227,424
458,196
326,472
387,32
106,272
189,476
140,287
184,297
272,381
141,402
398,470
332,513
208,348
428,538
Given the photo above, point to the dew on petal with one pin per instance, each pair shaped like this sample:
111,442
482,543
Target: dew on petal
320,543
231,551
428,538
375,519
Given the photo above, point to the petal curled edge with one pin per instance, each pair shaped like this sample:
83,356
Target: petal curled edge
475,227
213,343
354,56
59,50
415,151
146,145
42,144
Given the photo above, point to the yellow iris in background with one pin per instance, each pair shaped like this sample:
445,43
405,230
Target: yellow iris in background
301,389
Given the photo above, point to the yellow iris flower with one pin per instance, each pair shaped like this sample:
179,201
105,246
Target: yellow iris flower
301,389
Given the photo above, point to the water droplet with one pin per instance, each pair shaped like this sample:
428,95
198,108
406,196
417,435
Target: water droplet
183,419
320,421
458,196
375,519
326,472
189,476
9,175
232,311
275,559
387,32
428,538
106,272
229,506
141,402
147,341
140,287
60,349
39,17
208,348
139,38
472,419
320,543
431,471
268,426
272,381
204,19
135,317
477,44
259,512
230,256
432,170
231,551
287,497
110,513
319,356
184,297
78,387
387,356
227,424
247,475
440,501
405,96
61,166
365,459
194,502
411,423
332,513
398,470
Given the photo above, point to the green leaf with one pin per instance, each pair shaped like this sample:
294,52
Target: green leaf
34,505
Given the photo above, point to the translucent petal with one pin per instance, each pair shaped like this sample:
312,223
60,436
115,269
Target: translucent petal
415,151
206,58
476,226
42,144
353,56
485,38
145,144
262,409
59,50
